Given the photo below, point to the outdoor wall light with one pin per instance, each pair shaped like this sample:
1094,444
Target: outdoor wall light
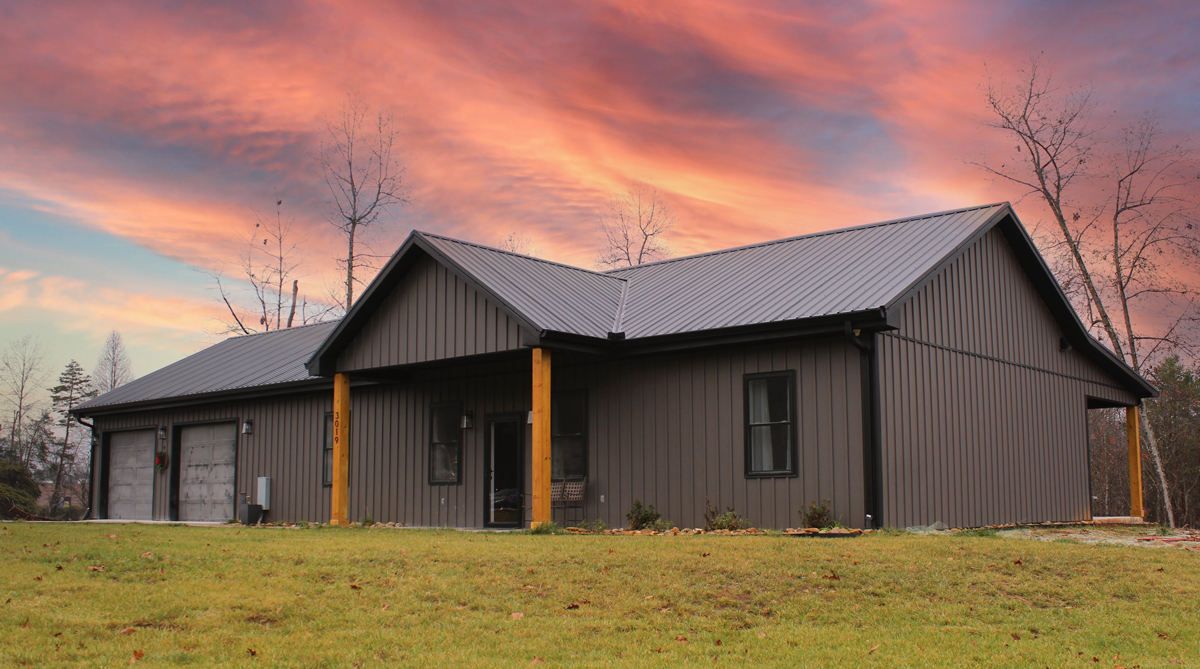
468,420
247,426
162,433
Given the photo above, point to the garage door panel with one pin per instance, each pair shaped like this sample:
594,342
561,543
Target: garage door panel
207,470
131,475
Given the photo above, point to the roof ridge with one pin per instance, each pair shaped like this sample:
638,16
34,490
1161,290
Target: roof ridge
279,330
822,233
519,255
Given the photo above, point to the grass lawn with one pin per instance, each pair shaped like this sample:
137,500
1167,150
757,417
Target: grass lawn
72,595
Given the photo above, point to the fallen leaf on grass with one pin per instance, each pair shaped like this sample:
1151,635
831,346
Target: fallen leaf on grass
112,536
681,638
762,635
718,642
25,625
127,630
147,555
1016,637
1018,562
98,568
354,587
705,554
252,652
832,575
58,567
37,578
873,649
137,655
385,607
572,606
517,615
537,660
1161,635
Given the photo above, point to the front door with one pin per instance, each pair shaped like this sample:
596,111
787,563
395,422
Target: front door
504,496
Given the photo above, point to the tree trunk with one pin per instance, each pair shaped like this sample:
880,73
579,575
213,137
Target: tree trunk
1152,442
295,289
350,270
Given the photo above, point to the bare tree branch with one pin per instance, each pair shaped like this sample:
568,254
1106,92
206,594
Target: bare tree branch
633,227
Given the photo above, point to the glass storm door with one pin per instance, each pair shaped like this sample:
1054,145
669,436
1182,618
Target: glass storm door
505,497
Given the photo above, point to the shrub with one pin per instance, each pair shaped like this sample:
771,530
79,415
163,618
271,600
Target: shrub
730,520
17,488
545,528
817,515
596,525
366,521
645,517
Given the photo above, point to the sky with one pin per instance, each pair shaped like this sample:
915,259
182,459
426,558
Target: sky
138,141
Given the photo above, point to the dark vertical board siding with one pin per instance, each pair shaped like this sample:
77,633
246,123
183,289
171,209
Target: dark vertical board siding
431,315
972,440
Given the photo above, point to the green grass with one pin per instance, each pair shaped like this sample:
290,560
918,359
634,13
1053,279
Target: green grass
335,597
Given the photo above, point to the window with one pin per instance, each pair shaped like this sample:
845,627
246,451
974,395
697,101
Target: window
327,452
445,443
568,435
770,430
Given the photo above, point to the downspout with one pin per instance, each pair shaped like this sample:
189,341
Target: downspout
872,483
91,467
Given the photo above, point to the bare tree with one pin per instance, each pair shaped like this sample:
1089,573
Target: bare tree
633,227
515,242
1125,246
364,176
113,368
270,261
21,378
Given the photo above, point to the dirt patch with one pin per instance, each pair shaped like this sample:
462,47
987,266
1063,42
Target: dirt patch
1116,535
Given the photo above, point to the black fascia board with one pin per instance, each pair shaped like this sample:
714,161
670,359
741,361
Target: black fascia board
870,320
234,394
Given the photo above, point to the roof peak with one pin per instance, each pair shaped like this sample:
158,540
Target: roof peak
517,255
822,233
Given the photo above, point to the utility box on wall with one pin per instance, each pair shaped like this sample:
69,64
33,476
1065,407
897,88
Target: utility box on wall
264,492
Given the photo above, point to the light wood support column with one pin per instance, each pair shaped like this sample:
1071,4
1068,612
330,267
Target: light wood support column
1133,435
541,437
341,451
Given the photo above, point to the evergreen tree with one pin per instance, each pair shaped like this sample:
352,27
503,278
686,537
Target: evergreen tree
74,387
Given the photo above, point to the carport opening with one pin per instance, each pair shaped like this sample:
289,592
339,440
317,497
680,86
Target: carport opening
1108,449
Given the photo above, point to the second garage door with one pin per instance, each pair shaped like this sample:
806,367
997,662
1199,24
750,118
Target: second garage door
207,467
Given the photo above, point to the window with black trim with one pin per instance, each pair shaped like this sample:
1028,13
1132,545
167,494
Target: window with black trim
568,435
770,409
445,443
327,451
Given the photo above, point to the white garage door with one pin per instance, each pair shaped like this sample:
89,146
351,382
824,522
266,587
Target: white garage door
207,460
131,475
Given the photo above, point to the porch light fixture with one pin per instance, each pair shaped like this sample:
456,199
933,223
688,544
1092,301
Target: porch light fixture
162,433
468,420
247,426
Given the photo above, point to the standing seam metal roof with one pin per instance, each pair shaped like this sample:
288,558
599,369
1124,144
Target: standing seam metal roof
247,361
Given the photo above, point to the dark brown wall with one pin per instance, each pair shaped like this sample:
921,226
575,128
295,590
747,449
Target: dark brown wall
285,445
983,418
664,429
669,430
431,315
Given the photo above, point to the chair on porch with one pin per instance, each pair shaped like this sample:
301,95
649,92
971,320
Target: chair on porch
567,495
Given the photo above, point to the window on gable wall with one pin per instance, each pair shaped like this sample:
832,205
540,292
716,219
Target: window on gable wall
770,408
568,435
445,443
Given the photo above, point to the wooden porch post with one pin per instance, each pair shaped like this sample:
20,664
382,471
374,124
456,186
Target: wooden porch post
1133,436
341,450
541,437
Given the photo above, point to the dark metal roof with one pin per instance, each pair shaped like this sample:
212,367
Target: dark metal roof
837,272
556,297
248,361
